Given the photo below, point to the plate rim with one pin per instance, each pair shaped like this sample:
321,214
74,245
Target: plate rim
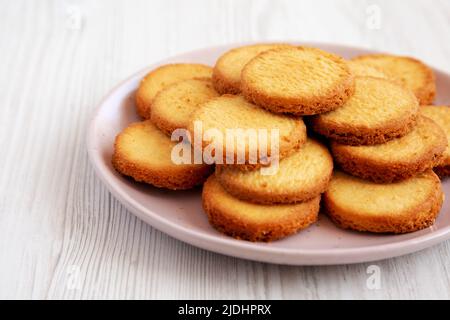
239,248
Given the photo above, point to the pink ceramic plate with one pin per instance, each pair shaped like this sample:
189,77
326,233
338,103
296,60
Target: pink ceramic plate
180,214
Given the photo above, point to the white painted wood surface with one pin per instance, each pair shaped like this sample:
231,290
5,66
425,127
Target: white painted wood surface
62,235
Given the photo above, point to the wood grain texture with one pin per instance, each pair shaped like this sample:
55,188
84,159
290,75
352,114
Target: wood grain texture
62,235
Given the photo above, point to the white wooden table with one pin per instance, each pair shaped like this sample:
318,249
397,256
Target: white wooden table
62,235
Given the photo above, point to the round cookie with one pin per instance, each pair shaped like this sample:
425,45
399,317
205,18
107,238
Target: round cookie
440,115
255,222
301,176
410,72
379,111
173,106
230,112
163,76
297,80
418,151
400,207
363,70
143,152
227,71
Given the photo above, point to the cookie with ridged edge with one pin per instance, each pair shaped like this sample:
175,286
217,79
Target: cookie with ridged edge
405,206
440,115
301,176
143,152
163,76
297,80
379,111
227,71
229,112
401,158
410,72
173,106
255,222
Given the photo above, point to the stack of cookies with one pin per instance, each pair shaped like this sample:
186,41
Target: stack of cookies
371,117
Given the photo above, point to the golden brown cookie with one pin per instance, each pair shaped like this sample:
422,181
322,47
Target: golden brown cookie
440,115
360,69
412,73
163,76
297,80
405,206
255,222
401,158
143,152
173,106
227,71
379,111
229,112
301,176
